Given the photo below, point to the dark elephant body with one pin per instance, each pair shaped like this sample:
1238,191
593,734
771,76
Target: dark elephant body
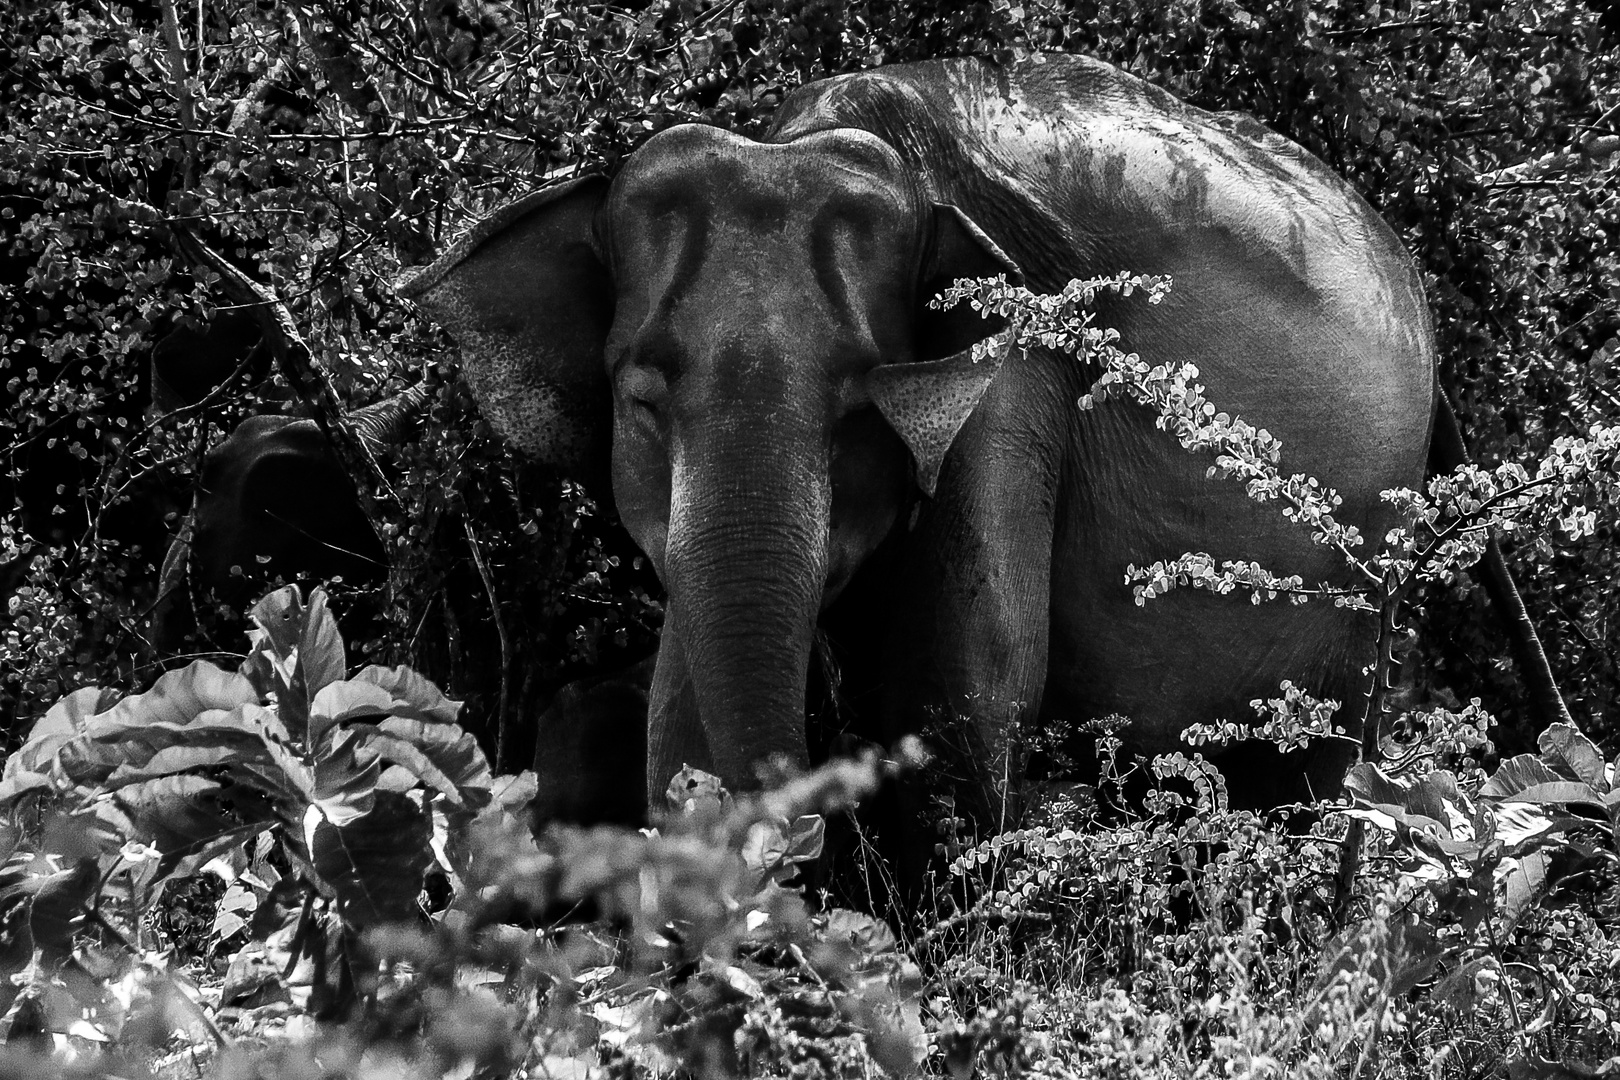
796,436
274,501
1303,314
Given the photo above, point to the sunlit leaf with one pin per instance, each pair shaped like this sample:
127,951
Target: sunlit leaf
1564,745
414,696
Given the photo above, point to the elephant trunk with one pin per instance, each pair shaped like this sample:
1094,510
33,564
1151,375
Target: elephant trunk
746,566
380,424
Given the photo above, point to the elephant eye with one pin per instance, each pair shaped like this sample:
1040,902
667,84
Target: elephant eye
643,400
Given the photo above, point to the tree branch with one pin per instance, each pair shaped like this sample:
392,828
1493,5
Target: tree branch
294,360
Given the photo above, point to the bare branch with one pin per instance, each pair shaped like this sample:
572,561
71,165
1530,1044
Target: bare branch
294,359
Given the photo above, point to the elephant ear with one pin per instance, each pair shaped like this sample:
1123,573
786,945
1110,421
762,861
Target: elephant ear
928,400
529,303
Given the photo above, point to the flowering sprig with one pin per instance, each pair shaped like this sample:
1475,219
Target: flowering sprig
1063,322
1446,528
1199,570
1288,722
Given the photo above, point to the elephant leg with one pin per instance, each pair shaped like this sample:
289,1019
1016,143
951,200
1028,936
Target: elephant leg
970,647
675,736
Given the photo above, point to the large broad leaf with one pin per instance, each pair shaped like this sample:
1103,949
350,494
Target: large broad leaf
320,648
175,712
374,865
415,697
177,698
1418,804
225,751
1567,750
91,762
1558,793
415,764
1526,778
297,648
1523,880
181,815
62,722
346,780
452,751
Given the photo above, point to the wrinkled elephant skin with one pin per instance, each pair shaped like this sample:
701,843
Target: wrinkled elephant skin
741,330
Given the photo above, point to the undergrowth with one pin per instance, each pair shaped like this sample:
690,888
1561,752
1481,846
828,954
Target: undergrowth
190,891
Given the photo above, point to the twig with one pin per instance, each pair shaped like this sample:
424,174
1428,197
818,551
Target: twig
500,631
177,77
1381,28
294,359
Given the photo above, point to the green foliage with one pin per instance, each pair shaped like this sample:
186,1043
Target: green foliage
313,794
375,874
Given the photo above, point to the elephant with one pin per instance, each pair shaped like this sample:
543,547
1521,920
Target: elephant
737,336
274,500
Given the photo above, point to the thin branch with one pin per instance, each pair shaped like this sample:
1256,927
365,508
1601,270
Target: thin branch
294,359
500,631
177,67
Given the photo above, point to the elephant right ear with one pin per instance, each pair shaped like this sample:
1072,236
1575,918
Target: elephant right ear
530,304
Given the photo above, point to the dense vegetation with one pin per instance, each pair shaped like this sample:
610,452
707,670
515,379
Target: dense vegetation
162,167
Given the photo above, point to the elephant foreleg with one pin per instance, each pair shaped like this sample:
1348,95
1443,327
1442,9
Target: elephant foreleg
675,736
970,650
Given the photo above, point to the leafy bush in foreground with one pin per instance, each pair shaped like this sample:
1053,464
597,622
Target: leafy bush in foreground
1185,941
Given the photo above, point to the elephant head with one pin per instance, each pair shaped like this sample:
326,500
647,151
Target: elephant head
740,334
273,499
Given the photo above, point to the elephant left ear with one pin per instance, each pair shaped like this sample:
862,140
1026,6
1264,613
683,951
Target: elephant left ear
928,400
927,403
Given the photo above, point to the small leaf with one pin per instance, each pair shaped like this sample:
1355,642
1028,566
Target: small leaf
513,793
867,934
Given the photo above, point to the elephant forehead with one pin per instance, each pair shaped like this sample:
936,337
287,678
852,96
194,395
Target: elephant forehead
258,438
708,173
